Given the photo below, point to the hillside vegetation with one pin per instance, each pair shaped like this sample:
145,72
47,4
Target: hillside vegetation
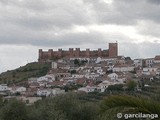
22,73
75,107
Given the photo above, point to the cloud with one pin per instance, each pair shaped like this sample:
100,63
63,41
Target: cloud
140,50
156,2
92,35
40,14
125,12
149,29
50,23
77,23
13,56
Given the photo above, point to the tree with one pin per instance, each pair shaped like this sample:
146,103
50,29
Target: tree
76,62
1,102
131,85
116,87
45,111
83,62
127,58
14,110
112,105
85,111
13,74
73,71
67,107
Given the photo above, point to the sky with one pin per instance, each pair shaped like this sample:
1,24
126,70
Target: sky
29,25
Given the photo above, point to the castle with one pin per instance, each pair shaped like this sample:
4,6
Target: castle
77,53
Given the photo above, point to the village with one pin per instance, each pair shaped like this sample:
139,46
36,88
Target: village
85,74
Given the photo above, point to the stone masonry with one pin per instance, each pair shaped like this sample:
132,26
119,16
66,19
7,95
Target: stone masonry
77,53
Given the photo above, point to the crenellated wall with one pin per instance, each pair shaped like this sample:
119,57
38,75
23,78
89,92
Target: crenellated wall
71,53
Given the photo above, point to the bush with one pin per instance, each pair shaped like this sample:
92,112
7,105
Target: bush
117,87
14,110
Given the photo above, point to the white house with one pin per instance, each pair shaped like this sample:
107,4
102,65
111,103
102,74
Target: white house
110,67
42,84
21,89
121,80
149,70
57,91
99,70
98,60
15,89
47,78
85,58
78,75
113,76
124,68
87,89
92,75
54,65
3,87
87,70
43,92
49,92
110,61
43,78
149,62
138,62
32,80
157,59
29,100
102,86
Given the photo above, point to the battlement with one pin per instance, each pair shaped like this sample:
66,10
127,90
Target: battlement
73,53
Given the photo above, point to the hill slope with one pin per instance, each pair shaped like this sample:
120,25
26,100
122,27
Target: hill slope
22,73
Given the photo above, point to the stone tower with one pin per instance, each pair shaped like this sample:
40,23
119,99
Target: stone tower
113,49
40,54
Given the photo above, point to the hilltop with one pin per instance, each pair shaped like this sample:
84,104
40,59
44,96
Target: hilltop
21,74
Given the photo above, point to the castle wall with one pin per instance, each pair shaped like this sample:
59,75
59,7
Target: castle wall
71,53
87,53
93,53
105,53
99,52
83,53
66,54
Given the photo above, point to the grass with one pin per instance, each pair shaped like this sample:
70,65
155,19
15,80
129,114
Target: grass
22,73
